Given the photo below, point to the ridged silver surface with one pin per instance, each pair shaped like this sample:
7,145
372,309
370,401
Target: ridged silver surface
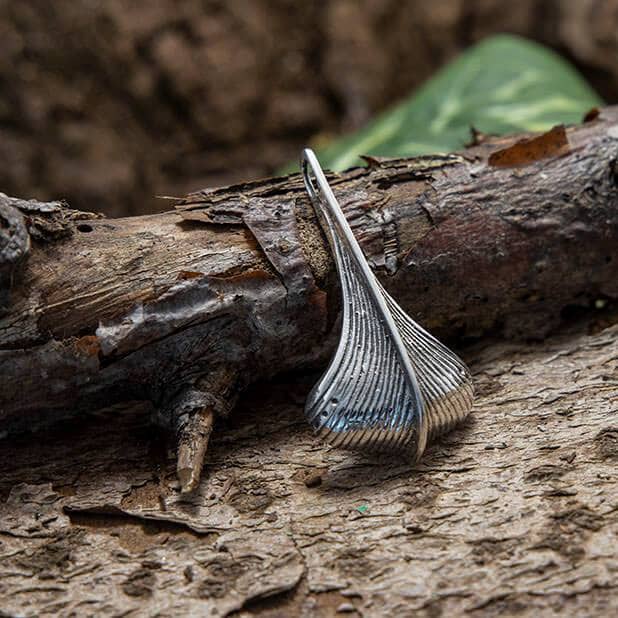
390,383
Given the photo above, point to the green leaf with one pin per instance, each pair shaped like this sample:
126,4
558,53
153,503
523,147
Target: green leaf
504,84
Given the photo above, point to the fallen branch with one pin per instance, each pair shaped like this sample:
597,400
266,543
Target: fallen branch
188,307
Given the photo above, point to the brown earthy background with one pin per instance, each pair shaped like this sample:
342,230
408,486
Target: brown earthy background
107,104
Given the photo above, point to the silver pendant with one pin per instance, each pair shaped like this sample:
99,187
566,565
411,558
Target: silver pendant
390,383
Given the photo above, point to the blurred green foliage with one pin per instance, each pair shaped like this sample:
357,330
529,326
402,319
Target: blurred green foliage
502,85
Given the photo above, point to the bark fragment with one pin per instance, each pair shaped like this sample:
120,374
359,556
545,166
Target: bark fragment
552,144
14,247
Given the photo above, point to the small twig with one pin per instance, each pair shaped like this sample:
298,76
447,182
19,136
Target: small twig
192,445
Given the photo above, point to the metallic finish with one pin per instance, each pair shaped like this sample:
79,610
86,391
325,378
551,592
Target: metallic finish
390,383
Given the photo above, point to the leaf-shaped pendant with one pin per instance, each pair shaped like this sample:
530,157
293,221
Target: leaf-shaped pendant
390,383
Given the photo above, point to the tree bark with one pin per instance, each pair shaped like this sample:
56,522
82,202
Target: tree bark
186,308
513,514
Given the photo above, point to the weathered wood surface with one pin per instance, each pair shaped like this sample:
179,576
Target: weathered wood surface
186,308
515,513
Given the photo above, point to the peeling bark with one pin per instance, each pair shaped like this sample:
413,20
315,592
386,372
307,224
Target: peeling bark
514,513
186,308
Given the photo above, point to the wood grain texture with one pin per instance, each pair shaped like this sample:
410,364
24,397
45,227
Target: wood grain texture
513,514
148,307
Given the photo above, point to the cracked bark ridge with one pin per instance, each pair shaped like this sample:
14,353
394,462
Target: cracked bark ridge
239,279
513,513
14,247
